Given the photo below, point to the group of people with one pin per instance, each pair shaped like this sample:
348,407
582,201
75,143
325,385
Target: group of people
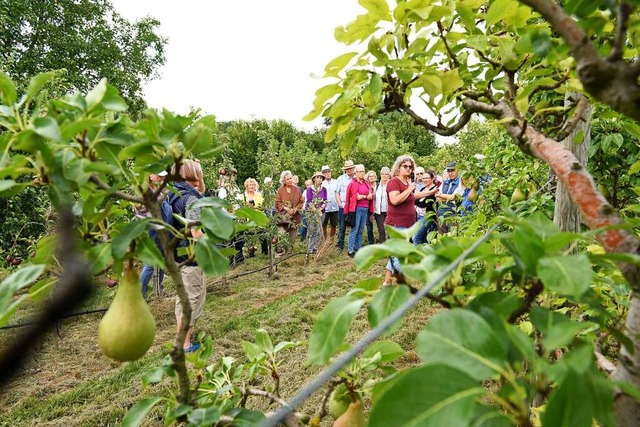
354,201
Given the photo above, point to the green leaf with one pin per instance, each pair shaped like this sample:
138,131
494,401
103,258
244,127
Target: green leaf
199,137
252,214
7,90
428,396
120,244
331,327
37,83
217,222
567,275
263,341
337,64
149,253
210,259
139,411
47,128
252,351
502,303
569,404
498,10
99,257
112,101
462,339
358,30
369,140
386,302
557,329
377,8
389,351
95,95
19,279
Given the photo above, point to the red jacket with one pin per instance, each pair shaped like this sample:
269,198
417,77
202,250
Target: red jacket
351,199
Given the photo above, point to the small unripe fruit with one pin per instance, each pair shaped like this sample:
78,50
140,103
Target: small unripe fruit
16,261
354,417
517,196
339,401
112,282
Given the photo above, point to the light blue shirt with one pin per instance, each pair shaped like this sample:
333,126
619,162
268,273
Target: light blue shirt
341,187
331,186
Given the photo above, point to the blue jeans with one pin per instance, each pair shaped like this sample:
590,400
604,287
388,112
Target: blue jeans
355,235
302,230
146,275
428,225
342,229
393,265
370,238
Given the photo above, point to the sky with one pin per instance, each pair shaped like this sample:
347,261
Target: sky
244,59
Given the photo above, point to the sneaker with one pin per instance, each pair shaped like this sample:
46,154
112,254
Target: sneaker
352,254
193,347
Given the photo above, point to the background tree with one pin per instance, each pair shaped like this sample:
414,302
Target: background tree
87,38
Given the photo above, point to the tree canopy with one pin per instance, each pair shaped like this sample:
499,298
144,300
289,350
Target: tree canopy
87,38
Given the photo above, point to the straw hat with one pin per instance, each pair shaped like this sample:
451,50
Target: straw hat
317,174
348,164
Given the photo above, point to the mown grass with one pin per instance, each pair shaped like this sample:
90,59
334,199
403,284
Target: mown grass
68,382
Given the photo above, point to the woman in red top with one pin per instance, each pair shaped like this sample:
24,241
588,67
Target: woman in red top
401,212
359,199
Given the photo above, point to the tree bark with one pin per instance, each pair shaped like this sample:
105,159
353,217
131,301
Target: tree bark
566,214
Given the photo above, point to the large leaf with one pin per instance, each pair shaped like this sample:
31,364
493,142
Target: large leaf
389,351
129,233
557,329
139,411
18,280
210,259
567,275
7,90
385,302
462,339
434,395
331,327
369,140
569,404
218,222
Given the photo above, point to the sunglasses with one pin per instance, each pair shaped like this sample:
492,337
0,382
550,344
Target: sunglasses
408,166
450,170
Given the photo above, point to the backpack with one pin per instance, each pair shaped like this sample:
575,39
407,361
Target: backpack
176,203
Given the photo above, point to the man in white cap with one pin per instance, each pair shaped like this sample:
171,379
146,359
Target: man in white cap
331,211
341,194
446,197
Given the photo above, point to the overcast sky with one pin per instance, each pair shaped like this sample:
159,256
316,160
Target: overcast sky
244,59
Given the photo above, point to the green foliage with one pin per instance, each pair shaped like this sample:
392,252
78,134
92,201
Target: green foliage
89,40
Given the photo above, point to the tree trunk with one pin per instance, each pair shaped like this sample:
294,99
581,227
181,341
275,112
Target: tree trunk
566,214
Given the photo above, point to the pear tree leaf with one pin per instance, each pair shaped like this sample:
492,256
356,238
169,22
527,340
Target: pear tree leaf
463,339
570,403
386,302
135,416
428,396
47,127
252,214
331,327
120,243
217,222
389,351
567,275
264,341
369,140
7,90
212,261
19,279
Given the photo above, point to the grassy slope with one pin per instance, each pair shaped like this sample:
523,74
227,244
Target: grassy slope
68,381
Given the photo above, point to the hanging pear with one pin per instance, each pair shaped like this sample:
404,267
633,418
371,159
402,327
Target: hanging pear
127,329
517,196
354,417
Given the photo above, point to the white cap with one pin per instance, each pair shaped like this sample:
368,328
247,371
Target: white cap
163,173
325,168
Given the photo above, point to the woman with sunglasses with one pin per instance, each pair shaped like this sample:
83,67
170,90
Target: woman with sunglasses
401,212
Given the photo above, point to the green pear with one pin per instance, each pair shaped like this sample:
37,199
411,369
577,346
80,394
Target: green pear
354,417
127,329
339,401
517,196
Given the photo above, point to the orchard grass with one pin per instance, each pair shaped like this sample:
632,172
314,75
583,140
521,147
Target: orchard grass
67,381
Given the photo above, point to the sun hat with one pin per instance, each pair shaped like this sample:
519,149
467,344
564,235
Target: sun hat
348,164
325,168
317,174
